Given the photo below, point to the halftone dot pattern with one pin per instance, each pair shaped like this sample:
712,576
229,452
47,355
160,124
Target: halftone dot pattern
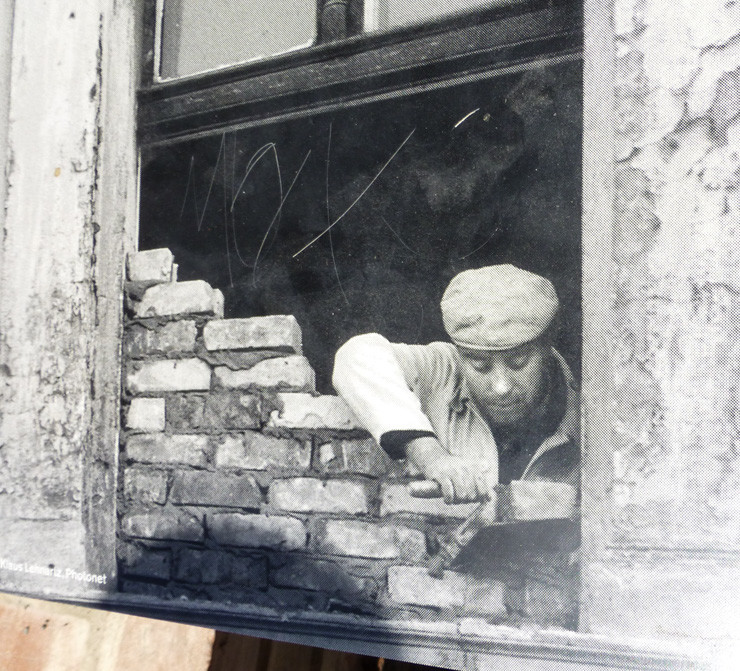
661,502
660,353
201,37
331,521
255,502
267,494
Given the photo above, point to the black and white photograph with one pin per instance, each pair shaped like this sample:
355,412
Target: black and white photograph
401,329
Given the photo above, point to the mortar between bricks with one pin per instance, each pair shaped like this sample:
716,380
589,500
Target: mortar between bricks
263,477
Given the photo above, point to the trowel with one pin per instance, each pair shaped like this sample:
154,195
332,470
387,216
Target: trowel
525,518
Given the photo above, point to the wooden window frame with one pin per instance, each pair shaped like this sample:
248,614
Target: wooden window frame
358,70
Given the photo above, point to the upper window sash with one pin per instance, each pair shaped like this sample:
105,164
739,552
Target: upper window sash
192,37
360,69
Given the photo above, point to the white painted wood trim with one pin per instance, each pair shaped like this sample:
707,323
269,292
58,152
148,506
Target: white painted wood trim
158,34
598,362
371,16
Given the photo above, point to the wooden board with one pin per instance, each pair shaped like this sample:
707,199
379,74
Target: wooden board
42,636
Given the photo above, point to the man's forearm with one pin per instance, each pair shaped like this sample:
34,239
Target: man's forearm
423,451
459,478
371,381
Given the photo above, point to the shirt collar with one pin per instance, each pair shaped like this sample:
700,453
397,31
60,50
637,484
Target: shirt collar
569,427
460,396
460,399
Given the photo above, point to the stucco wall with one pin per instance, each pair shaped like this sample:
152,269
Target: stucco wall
69,191
665,562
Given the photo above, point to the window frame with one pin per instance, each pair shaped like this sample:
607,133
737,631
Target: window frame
358,70
506,41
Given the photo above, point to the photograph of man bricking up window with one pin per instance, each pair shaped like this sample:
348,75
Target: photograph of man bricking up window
497,403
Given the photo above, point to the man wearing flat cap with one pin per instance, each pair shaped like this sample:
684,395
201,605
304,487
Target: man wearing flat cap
496,404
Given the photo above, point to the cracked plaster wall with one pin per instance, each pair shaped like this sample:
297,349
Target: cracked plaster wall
52,298
673,529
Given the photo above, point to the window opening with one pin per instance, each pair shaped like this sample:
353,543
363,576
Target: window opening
347,207
192,38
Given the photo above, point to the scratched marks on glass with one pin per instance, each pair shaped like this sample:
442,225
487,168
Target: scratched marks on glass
356,221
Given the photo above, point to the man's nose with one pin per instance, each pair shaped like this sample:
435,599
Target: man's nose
501,383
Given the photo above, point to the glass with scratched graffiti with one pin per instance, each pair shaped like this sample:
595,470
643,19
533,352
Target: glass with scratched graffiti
356,221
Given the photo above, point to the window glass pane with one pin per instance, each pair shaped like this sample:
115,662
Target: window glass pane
388,14
197,36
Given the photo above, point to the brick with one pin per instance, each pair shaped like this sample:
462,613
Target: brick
290,373
395,499
232,411
202,566
134,291
150,267
144,562
249,572
159,448
146,414
239,360
170,338
552,604
352,538
523,500
169,375
413,585
163,525
294,600
145,589
361,456
313,495
258,452
304,411
274,532
185,412
195,297
203,488
218,304
145,486
485,597
279,332
318,576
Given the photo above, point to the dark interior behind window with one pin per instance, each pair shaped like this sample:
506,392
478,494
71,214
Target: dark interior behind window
381,205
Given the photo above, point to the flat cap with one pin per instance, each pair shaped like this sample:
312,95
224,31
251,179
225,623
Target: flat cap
497,307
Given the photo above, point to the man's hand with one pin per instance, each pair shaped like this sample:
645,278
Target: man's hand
461,480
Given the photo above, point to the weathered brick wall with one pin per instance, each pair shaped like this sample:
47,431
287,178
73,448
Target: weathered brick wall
240,484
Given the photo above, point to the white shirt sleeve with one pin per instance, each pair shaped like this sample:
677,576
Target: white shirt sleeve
376,379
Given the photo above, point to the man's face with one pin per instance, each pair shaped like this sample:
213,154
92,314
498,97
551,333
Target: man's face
507,386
